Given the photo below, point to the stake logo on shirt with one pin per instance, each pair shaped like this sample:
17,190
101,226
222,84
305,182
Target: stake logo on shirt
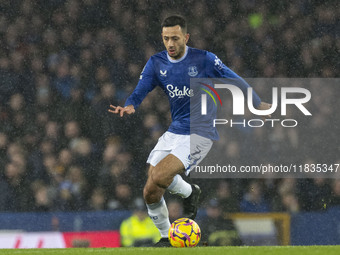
176,92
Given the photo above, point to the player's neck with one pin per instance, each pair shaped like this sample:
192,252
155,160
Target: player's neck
179,59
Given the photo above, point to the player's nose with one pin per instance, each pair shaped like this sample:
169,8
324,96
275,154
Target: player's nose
171,43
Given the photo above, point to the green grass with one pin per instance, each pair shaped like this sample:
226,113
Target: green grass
246,250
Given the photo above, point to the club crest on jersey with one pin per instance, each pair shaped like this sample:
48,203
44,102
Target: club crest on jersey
193,71
163,73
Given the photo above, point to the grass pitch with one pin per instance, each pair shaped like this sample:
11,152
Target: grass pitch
244,250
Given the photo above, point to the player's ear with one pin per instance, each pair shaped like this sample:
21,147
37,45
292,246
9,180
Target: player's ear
187,37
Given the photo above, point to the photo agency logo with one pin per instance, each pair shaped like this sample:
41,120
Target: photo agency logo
297,132
295,96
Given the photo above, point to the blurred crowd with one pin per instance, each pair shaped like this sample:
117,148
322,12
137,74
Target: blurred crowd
63,62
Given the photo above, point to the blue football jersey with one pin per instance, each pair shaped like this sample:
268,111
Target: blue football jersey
173,76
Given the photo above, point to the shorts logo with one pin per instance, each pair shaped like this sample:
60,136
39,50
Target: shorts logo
193,71
194,157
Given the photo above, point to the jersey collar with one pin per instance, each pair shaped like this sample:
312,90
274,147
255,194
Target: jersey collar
178,60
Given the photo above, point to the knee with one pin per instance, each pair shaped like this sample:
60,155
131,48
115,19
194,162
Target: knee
160,179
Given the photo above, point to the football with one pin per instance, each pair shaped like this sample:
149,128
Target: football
184,232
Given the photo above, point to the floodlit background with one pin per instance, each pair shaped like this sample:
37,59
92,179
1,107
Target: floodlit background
63,62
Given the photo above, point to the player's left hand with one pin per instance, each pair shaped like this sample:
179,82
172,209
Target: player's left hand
265,106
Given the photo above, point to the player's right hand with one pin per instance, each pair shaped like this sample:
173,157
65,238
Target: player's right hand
121,110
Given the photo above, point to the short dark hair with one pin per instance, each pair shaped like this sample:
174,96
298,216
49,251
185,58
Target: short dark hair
175,20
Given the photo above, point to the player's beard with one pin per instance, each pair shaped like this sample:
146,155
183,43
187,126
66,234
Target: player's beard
180,52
